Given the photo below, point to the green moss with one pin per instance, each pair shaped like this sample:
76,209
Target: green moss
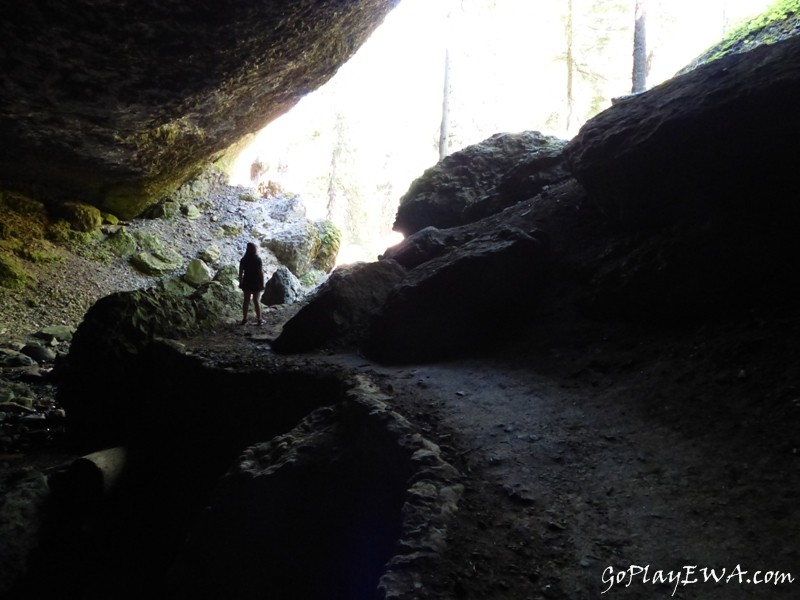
312,278
82,217
330,241
12,273
762,29
43,252
130,200
87,244
227,230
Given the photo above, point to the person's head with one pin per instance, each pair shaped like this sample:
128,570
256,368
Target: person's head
251,249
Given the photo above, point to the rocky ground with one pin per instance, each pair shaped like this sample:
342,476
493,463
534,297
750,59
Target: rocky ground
584,456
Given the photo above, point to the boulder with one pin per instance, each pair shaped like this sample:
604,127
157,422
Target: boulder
706,140
446,306
38,352
152,265
166,209
286,208
282,288
198,273
419,247
121,243
298,243
81,216
12,358
60,333
107,350
444,192
340,308
211,254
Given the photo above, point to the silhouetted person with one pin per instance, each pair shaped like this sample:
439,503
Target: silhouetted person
251,280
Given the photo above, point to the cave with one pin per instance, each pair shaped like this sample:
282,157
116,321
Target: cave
582,358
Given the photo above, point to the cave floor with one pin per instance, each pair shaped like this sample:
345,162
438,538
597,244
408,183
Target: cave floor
612,459
622,461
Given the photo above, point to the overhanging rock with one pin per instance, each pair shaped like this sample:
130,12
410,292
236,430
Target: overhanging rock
116,103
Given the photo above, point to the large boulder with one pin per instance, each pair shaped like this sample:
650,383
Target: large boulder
441,195
708,140
341,307
461,300
298,243
114,333
117,103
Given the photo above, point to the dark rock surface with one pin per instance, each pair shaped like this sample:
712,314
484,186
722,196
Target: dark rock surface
679,211
341,307
708,142
282,288
116,103
439,309
445,194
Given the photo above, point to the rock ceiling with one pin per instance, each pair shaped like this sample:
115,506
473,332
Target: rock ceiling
113,102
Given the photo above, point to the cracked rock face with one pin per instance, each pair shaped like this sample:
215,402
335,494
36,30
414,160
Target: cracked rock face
116,102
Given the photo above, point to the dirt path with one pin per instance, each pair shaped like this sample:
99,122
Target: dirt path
571,480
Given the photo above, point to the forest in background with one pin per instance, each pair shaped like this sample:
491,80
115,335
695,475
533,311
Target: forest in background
439,76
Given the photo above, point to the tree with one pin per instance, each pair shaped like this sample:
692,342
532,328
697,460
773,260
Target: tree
334,174
444,128
639,74
570,59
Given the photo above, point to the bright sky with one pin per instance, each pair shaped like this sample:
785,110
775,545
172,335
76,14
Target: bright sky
506,76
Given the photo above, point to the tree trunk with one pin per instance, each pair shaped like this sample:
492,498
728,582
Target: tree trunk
570,33
639,75
444,128
333,173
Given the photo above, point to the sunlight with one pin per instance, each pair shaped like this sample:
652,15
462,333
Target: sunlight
352,148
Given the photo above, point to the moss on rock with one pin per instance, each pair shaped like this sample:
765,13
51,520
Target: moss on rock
81,217
121,243
330,241
12,273
778,21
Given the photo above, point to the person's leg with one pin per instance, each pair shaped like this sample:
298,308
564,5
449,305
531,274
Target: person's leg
245,306
257,306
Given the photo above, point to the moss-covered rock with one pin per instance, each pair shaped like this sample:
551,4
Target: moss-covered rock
197,273
12,274
23,205
152,244
121,243
778,21
147,263
295,245
40,252
229,230
80,216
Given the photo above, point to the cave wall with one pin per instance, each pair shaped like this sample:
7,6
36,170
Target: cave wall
115,102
